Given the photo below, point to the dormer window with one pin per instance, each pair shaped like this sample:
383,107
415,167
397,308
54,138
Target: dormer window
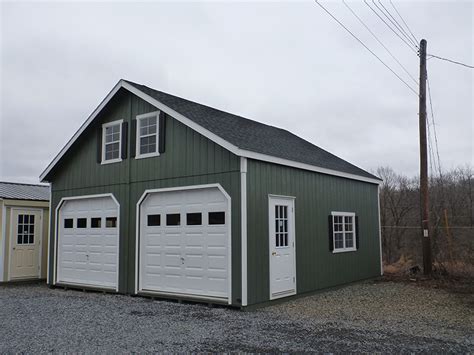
111,142
147,135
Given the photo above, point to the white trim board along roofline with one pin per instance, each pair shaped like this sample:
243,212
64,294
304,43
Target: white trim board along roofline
205,132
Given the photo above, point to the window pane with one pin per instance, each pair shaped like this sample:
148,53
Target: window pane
111,222
68,223
338,241
112,151
32,219
153,220
25,218
277,240
31,229
31,239
286,239
96,222
19,239
173,219
194,219
82,223
20,218
216,217
349,240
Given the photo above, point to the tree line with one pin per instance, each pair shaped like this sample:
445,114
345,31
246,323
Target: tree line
451,215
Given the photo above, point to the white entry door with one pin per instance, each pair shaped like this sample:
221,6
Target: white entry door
282,247
184,245
88,242
25,244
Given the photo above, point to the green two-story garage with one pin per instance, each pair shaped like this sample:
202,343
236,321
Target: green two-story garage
157,195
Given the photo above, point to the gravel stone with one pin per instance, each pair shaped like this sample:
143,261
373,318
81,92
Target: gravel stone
364,317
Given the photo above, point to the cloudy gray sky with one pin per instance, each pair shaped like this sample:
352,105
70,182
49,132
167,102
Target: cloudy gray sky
282,63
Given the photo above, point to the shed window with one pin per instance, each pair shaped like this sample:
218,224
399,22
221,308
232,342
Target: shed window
147,135
26,229
343,231
111,144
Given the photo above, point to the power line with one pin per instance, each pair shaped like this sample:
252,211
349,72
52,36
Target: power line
390,27
434,126
406,25
451,61
378,40
363,44
394,21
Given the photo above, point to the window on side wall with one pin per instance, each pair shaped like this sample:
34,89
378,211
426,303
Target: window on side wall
343,231
147,135
111,142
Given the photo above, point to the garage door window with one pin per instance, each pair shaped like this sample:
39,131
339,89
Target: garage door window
111,222
194,219
216,218
96,222
82,223
173,219
69,223
154,220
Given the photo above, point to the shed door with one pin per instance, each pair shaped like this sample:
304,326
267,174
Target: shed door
184,243
25,244
88,242
282,247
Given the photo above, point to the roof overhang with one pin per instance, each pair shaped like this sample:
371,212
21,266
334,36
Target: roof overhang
205,132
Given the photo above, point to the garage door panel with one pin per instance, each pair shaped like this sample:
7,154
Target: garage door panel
194,258
88,256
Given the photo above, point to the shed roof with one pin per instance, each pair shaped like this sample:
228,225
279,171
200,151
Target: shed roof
254,136
18,191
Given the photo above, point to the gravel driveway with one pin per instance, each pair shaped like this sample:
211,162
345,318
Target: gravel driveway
382,317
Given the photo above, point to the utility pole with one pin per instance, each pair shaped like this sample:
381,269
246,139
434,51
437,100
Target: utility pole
424,201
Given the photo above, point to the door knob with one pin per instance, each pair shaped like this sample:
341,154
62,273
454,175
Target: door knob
274,253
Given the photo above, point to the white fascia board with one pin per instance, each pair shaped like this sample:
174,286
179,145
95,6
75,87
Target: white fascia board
206,133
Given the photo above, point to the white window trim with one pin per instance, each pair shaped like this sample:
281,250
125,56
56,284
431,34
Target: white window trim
104,126
344,250
157,134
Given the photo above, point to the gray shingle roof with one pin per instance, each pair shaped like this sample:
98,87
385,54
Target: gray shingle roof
255,136
16,191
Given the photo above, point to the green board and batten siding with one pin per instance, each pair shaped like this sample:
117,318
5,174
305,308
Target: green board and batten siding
189,159
316,195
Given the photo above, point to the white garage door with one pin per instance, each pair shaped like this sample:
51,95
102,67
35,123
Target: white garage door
88,242
184,243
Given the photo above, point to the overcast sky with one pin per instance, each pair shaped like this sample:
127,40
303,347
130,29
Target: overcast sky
286,64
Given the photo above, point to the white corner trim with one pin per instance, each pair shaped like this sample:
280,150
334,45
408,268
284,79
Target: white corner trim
243,229
48,252
206,133
380,232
